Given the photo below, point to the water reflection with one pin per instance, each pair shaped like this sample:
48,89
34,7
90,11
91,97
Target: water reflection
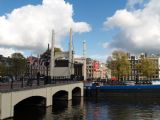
97,109
30,113
123,109
77,101
59,107
71,110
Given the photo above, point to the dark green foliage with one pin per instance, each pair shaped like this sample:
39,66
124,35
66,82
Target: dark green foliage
147,67
19,64
2,69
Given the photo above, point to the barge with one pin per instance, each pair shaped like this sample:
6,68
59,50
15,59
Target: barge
130,90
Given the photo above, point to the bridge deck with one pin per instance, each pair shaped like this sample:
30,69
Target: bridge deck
18,85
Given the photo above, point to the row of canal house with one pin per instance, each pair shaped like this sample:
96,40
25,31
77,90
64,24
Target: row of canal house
87,68
93,69
96,70
134,60
61,66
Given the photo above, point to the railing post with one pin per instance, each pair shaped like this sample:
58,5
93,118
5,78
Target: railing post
12,83
21,82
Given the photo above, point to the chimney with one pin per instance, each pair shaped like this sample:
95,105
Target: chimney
52,54
71,61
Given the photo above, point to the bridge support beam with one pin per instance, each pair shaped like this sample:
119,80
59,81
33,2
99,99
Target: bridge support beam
69,95
82,92
49,97
6,108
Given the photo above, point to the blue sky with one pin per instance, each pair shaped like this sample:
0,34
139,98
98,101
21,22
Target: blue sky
105,25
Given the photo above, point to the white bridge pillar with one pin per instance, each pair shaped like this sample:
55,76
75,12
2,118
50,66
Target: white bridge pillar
69,95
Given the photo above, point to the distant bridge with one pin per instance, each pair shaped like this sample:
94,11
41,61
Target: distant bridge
44,95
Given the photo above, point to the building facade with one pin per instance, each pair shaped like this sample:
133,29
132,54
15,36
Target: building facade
95,69
134,60
35,65
81,62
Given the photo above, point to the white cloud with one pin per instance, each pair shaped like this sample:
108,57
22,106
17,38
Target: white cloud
139,29
105,45
8,51
29,27
99,57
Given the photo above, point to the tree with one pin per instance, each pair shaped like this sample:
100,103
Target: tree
19,63
47,53
119,64
2,69
146,67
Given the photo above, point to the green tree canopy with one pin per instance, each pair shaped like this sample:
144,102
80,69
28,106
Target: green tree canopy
17,56
147,67
2,69
119,64
18,64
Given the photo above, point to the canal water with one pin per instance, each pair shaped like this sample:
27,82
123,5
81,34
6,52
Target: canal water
95,109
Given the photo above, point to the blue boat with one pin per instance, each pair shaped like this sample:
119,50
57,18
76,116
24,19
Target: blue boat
130,90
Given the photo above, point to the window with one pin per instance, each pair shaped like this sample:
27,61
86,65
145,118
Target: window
61,63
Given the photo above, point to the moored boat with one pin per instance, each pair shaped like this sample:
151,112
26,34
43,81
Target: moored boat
125,90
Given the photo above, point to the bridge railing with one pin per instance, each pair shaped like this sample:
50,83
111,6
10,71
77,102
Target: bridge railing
46,80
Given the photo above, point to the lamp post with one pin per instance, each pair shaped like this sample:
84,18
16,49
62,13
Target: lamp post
47,65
